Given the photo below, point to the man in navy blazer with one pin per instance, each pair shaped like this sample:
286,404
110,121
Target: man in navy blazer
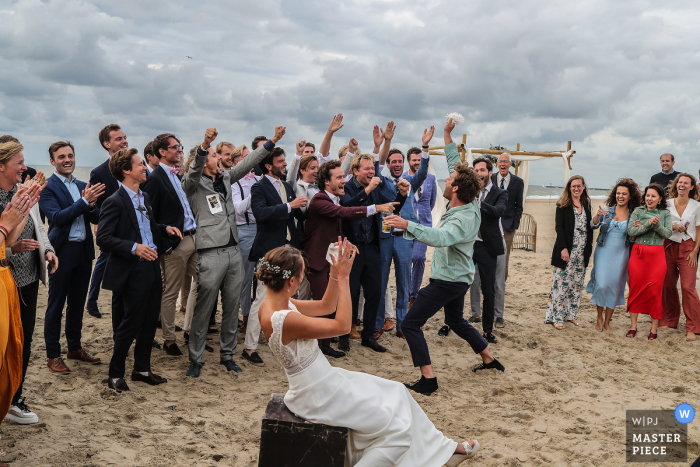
112,139
274,206
367,187
69,205
396,247
134,241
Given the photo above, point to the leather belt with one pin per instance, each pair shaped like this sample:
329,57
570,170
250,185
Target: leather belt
189,232
397,234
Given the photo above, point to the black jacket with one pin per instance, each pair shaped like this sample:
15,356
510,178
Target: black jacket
273,218
565,222
165,202
492,208
357,196
101,174
117,232
514,209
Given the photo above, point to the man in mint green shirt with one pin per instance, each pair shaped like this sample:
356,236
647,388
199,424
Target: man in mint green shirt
452,268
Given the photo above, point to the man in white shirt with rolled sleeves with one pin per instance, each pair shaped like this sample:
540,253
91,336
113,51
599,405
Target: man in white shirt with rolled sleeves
247,228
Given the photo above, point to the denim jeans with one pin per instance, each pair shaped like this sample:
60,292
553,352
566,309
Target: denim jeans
401,251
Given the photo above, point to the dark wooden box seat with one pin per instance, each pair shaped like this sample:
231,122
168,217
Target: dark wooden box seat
287,440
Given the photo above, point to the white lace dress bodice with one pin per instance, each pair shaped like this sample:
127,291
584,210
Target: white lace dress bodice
299,354
387,427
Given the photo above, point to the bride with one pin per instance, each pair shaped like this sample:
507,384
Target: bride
386,426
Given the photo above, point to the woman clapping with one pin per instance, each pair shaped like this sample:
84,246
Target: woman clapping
650,224
682,256
609,274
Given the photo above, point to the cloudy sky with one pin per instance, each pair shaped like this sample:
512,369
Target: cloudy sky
618,79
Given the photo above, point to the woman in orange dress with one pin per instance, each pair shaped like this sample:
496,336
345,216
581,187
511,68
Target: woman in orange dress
11,336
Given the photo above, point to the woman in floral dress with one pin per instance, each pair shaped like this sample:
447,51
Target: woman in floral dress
572,250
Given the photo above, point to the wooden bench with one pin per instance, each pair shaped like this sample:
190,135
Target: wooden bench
287,440
526,236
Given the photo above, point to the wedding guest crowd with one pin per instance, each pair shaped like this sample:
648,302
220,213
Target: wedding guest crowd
197,229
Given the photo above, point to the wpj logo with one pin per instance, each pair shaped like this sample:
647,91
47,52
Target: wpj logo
657,435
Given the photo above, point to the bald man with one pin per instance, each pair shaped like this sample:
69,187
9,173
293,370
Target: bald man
667,174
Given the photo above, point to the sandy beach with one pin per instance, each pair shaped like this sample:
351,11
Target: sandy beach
561,401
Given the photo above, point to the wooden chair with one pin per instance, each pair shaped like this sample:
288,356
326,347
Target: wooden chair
526,235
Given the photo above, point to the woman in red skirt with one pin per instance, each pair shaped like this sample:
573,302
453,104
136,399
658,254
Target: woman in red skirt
651,225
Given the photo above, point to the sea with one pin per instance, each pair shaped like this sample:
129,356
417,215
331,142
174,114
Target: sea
533,192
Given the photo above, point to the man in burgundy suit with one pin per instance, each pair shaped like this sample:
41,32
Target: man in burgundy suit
323,227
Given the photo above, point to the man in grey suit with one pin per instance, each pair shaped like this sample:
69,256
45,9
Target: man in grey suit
219,263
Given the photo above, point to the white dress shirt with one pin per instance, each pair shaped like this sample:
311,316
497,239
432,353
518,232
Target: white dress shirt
506,180
241,200
371,210
691,217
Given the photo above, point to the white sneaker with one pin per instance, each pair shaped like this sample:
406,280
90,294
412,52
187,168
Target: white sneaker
20,413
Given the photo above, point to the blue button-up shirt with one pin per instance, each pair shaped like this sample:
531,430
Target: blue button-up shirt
190,224
77,228
143,221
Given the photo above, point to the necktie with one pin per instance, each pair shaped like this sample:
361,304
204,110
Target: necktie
502,182
283,195
174,170
249,175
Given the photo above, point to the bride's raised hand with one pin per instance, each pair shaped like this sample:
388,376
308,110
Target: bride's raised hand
346,256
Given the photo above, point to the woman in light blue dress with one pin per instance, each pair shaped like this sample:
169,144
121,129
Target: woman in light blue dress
609,274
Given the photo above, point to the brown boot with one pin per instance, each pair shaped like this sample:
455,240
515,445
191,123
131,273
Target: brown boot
57,366
353,332
388,325
82,356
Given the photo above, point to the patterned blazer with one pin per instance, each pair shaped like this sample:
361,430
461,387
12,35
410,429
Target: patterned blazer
426,201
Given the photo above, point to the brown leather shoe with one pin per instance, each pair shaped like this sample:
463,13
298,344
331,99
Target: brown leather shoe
378,333
353,332
57,366
82,356
388,325
400,335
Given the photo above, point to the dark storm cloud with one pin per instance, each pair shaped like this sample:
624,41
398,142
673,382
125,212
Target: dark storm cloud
616,78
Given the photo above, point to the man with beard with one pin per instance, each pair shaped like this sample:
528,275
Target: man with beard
323,227
423,204
170,207
69,205
247,228
396,247
452,268
219,263
112,139
275,206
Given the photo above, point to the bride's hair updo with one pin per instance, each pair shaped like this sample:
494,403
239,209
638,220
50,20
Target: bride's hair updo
278,266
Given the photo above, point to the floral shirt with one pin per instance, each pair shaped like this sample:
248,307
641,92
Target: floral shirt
26,264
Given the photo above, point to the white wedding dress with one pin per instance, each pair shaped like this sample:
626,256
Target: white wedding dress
386,426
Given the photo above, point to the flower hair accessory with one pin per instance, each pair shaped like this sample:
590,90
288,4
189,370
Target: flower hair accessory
457,119
286,274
